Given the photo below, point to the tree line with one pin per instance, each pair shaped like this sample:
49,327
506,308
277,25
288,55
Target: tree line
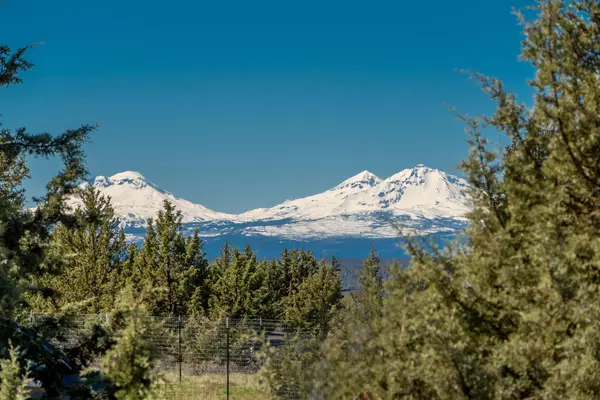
173,274
510,312
62,262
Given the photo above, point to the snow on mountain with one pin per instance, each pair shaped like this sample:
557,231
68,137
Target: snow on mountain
422,200
424,190
136,199
420,191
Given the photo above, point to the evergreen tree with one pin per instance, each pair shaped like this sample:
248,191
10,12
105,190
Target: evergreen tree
371,282
93,251
513,312
314,304
336,264
128,267
297,265
145,267
12,382
172,270
270,289
232,289
198,282
129,365
176,267
25,234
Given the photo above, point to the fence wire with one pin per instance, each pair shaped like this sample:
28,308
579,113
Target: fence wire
193,347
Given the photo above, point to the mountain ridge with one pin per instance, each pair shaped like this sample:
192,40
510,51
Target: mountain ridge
423,200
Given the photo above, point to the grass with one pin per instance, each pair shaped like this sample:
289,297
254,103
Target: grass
213,387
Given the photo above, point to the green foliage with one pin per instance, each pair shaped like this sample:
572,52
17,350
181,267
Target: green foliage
93,252
295,287
234,282
175,266
12,381
314,305
288,370
128,365
349,360
198,283
371,282
512,313
25,235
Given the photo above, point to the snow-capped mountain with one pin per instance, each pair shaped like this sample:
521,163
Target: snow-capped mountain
421,190
135,199
421,200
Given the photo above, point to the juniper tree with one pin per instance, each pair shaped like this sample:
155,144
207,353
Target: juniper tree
198,282
231,290
128,267
513,312
313,306
270,289
12,380
371,283
144,266
129,364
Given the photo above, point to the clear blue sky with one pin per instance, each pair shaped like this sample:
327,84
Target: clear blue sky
243,104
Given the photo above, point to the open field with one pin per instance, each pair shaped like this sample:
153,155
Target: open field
212,387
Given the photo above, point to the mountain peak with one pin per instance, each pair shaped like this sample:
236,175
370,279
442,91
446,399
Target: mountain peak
127,175
426,199
364,178
420,171
122,178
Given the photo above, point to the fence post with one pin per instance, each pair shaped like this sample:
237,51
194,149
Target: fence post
227,358
31,317
180,355
100,318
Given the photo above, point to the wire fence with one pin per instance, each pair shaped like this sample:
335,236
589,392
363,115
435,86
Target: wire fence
190,348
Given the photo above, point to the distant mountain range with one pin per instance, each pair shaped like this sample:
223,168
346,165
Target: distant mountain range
344,220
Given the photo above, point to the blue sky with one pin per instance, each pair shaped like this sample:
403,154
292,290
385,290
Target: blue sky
239,104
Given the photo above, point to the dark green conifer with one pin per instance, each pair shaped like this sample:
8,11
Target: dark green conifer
25,235
169,263
93,251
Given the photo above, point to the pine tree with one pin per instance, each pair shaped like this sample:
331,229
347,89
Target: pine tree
93,251
315,303
25,235
336,264
169,263
128,267
231,289
269,289
371,282
198,281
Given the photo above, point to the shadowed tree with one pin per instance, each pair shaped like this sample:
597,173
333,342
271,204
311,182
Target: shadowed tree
25,235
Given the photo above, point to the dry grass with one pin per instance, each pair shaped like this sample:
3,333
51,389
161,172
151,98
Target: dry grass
212,387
